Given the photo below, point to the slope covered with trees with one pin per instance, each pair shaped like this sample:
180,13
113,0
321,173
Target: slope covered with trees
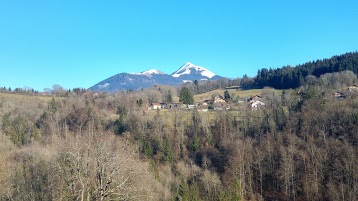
293,77
301,146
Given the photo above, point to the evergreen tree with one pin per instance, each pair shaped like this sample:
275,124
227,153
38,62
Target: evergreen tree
169,97
168,155
227,95
195,145
186,96
52,106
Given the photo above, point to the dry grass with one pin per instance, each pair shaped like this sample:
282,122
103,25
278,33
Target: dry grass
24,98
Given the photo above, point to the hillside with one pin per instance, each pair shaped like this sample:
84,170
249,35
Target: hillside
19,98
179,154
233,92
292,77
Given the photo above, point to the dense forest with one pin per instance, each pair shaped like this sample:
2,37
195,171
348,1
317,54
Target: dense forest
292,77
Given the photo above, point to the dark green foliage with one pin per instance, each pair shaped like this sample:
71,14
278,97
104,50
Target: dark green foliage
293,77
6,123
167,151
183,192
227,95
186,96
194,192
17,129
148,149
236,191
195,145
52,106
169,97
188,192
118,126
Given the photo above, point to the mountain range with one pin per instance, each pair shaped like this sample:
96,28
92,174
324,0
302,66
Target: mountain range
136,81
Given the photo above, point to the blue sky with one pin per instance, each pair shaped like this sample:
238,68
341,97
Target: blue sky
79,43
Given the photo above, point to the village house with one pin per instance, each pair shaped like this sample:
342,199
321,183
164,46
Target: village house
191,107
173,106
339,95
219,99
206,102
254,99
164,105
257,104
155,106
353,88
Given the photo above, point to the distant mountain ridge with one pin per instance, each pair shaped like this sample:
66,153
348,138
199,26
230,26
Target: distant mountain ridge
149,78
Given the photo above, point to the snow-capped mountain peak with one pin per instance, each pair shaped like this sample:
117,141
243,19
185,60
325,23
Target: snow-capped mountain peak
188,67
135,81
149,73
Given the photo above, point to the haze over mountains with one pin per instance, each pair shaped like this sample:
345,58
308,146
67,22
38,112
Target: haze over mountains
149,78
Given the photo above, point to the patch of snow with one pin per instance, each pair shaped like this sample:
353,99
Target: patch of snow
188,67
186,81
149,73
104,85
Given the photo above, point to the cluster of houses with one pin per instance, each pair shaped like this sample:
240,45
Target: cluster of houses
217,103
341,95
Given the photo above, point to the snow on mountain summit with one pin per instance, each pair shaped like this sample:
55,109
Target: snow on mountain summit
188,67
149,73
136,81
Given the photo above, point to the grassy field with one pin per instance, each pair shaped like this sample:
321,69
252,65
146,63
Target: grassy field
24,98
241,93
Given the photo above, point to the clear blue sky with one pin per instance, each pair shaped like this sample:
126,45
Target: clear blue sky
79,43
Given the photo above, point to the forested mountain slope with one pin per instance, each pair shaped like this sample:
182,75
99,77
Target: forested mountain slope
292,77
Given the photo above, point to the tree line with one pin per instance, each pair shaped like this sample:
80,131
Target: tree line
292,77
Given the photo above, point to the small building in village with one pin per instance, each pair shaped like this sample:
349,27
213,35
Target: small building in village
339,95
353,88
219,99
155,106
191,107
254,99
256,105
